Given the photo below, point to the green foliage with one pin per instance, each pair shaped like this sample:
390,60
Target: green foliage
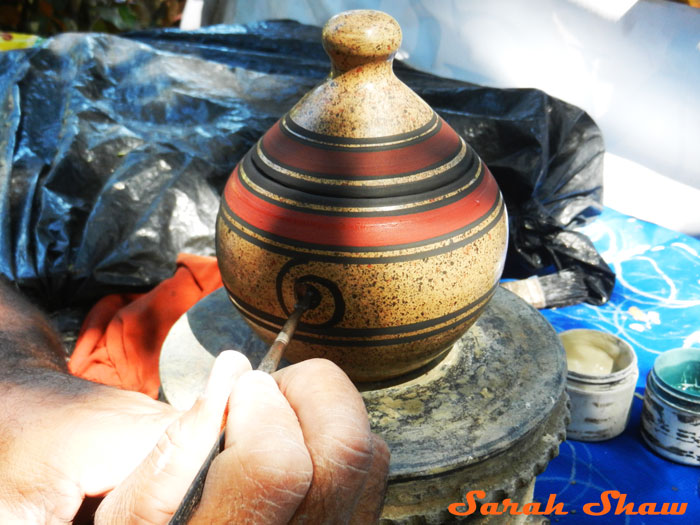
48,17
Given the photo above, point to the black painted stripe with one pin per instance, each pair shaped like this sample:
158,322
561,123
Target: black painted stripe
403,334
468,153
293,250
319,140
462,181
364,343
393,187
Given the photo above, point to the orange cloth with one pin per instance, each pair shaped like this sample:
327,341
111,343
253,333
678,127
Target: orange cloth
119,342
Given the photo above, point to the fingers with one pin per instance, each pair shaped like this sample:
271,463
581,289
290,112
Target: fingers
371,501
298,449
265,470
153,492
347,459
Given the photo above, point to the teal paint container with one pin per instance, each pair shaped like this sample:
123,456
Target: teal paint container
671,412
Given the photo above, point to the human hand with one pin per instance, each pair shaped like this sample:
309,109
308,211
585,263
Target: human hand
298,449
64,439
61,438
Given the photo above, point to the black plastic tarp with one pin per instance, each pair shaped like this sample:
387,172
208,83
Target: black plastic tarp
114,150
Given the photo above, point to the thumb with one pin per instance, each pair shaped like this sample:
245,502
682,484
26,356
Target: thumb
154,490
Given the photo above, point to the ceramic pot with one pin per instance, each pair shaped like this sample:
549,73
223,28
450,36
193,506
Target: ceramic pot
364,193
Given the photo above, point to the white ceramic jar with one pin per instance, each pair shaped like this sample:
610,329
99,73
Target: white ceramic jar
600,382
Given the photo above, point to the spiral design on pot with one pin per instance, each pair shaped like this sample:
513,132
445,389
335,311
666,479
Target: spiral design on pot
330,307
403,235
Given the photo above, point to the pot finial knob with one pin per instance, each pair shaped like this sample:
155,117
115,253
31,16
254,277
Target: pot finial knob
359,37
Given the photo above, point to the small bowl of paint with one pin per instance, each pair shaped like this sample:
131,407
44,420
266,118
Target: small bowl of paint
601,378
671,412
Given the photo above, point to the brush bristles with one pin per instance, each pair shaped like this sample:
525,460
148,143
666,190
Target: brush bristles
559,289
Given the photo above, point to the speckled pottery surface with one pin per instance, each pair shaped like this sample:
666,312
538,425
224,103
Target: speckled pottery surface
362,191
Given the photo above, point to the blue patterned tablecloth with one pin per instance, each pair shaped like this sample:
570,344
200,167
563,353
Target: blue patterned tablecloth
655,307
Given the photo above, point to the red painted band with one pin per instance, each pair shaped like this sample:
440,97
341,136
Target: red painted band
340,231
437,149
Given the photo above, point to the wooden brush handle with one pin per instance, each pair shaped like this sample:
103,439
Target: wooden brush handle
309,298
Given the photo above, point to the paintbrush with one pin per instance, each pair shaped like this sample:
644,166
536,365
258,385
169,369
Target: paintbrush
558,289
308,298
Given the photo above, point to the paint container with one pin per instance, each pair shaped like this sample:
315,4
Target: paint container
671,413
602,374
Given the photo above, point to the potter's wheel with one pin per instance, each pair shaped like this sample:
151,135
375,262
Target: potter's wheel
488,416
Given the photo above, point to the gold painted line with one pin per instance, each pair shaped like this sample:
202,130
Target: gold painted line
452,322
359,146
485,224
248,313
345,209
368,181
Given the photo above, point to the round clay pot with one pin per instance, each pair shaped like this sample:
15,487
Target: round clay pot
364,193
